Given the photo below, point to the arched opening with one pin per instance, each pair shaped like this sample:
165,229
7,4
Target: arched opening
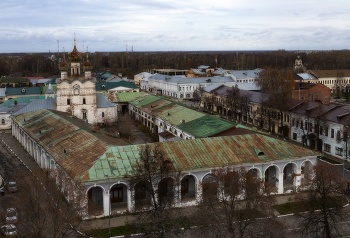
271,176
209,187
306,169
166,191
288,177
95,201
188,188
84,113
119,198
229,113
254,173
142,196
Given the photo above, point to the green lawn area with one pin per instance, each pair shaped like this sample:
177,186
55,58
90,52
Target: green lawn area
294,207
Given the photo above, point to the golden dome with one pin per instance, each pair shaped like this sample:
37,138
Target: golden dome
87,64
75,56
63,66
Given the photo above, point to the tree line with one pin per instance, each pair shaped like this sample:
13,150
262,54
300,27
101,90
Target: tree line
136,62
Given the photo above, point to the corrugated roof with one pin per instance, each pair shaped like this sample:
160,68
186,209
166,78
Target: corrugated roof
205,153
205,126
57,131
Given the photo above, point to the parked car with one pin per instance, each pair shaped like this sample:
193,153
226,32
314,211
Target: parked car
9,230
12,186
11,215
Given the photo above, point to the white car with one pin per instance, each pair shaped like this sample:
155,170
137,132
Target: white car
11,215
9,230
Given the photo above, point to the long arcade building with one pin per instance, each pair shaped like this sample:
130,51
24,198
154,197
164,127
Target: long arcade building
56,140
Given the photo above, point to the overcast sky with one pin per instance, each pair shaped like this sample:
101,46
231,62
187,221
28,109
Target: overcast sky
164,25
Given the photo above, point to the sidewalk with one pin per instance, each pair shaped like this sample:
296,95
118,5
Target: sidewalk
19,151
122,219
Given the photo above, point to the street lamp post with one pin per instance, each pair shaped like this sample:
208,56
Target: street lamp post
109,209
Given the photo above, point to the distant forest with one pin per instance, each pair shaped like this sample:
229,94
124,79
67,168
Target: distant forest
41,64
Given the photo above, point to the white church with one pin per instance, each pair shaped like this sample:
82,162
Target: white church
77,95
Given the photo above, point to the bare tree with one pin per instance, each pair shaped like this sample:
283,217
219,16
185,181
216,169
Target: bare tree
197,94
231,203
155,181
233,100
125,125
49,206
322,202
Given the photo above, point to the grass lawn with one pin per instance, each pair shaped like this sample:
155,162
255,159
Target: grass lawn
294,207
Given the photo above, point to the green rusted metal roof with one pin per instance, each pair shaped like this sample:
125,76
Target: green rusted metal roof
127,96
204,153
175,113
18,100
205,126
144,100
58,132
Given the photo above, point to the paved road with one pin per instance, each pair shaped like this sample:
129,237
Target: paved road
10,166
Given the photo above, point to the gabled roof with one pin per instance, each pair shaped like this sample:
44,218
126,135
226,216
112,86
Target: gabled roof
243,74
102,101
204,153
331,73
37,104
190,121
70,141
23,91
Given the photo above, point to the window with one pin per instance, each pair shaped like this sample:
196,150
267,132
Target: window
2,121
293,121
84,114
103,114
301,125
321,130
68,101
295,136
287,118
297,123
327,147
310,127
339,151
84,101
326,131
332,133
